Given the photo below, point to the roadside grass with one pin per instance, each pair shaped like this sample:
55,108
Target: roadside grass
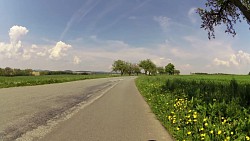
198,107
18,81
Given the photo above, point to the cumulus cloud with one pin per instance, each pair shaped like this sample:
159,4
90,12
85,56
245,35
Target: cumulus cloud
219,62
59,50
240,59
14,48
233,60
163,21
243,57
16,32
76,60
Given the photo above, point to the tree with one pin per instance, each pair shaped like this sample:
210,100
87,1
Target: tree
169,69
129,68
224,11
120,66
136,69
148,66
177,72
160,70
8,71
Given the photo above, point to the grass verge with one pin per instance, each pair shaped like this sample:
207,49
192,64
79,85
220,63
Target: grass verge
18,81
194,108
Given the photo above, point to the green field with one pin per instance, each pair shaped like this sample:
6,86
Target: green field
200,107
18,81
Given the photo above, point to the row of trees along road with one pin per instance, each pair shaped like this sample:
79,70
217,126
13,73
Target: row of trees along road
149,68
15,72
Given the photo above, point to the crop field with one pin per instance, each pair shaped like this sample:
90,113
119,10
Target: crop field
18,81
200,107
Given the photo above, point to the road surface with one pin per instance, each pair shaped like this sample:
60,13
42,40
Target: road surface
107,109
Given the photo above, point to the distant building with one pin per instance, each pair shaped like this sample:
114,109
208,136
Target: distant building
82,72
35,73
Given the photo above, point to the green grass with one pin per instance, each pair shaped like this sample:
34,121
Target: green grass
200,107
18,81
217,78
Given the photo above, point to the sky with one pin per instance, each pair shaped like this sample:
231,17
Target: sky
92,34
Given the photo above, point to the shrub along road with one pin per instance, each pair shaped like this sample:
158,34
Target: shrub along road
99,109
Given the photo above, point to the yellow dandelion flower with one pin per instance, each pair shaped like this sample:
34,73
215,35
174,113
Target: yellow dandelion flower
203,135
195,120
219,132
232,133
195,116
177,128
190,111
247,138
195,113
228,138
205,119
169,117
202,129
189,120
206,124
202,138
211,132
189,132
174,121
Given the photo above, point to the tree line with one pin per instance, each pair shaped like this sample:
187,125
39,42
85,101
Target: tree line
147,66
15,72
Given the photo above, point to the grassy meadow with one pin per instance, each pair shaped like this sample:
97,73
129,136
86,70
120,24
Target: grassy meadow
200,107
17,81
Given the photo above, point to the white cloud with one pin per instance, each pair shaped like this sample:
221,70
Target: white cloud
233,60
14,48
76,60
240,59
163,21
219,62
244,58
16,32
191,14
58,51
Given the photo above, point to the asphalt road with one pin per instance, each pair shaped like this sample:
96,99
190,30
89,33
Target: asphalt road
109,109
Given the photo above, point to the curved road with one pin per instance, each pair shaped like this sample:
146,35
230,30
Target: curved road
108,109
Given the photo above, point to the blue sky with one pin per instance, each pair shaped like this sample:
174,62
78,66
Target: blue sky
91,34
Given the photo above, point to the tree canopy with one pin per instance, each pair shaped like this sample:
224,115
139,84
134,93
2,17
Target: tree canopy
124,67
170,69
226,12
119,65
148,66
